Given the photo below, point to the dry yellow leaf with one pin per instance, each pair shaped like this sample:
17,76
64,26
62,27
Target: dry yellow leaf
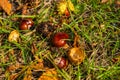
28,77
37,66
117,2
49,74
13,36
6,6
62,6
116,59
13,76
104,1
28,74
70,5
76,55
13,67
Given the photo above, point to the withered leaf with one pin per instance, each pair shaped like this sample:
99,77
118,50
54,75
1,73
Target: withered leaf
13,36
13,67
37,66
28,75
117,2
70,5
14,76
63,5
6,6
76,55
33,48
104,1
24,10
49,74
116,59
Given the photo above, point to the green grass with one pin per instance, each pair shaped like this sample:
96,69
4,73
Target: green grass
99,36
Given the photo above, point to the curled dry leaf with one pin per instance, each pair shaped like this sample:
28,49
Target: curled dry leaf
104,1
37,66
117,2
49,74
13,36
24,10
70,5
28,75
13,67
6,6
64,5
26,70
13,76
102,26
76,55
116,59
33,48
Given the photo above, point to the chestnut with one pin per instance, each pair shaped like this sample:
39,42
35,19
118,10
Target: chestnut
26,24
61,62
59,39
76,55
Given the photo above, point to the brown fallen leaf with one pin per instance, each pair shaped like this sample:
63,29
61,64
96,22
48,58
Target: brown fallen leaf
24,10
117,2
63,5
104,1
13,36
13,76
28,74
28,77
6,6
116,59
76,54
49,74
33,48
13,67
37,66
